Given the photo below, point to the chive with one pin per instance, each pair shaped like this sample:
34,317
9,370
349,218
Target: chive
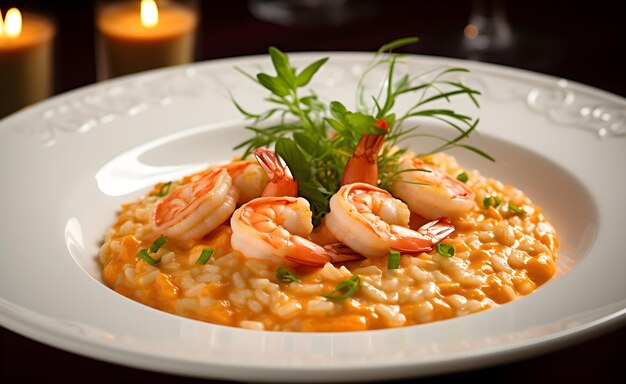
492,201
205,255
285,276
349,287
393,261
157,244
143,254
165,189
516,209
462,177
444,250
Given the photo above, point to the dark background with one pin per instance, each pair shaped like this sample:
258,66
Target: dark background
583,41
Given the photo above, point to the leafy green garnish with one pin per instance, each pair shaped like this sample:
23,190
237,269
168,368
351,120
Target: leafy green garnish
492,201
393,260
285,276
316,138
345,289
462,177
444,250
205,255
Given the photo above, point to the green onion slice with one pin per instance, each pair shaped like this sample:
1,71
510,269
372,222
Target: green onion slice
462,177
285,276
516,209
345,289
165,189
157,244
393,261
205,255
492,201
143,254
444,250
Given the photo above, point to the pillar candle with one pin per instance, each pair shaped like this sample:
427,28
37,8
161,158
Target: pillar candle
128,44
25,61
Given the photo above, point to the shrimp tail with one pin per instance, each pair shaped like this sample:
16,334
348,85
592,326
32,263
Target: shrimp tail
437,230
422,240
281,181
341,253
362,166
306,252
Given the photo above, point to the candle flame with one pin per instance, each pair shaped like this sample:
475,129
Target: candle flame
149,13
13,23
1,25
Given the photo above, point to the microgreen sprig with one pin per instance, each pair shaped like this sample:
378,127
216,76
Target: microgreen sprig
316,138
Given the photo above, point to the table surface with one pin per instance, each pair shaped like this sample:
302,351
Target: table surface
585,42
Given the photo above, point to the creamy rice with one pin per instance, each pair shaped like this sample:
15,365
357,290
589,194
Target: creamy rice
500,256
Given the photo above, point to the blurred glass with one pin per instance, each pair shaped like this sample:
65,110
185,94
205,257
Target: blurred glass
488,32
305,13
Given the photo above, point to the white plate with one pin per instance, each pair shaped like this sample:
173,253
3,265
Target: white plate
69,162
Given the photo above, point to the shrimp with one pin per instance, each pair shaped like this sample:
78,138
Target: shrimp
281,181
431,194
371,222
362,166
276,228
195,209
248,177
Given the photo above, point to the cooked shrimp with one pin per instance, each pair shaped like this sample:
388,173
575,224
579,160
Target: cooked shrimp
275,228
281,181
437,194
195,209
371,221
362,166
248,177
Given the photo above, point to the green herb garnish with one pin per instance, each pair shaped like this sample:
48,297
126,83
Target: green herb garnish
444,250
516,209
157,244
345,289
165,189
492,201
462,177
205,255
316,138
285,276
143,254
393,261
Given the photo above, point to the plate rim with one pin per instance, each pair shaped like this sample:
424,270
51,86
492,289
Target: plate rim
26,327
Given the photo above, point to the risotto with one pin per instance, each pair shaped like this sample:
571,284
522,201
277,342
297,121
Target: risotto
503,249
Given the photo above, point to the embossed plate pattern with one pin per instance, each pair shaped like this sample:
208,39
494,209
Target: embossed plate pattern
67,164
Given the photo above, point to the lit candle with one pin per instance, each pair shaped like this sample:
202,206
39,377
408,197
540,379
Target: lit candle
25,59
136,37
